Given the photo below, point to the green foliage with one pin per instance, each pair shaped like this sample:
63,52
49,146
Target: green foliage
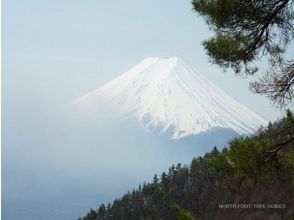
248,25
217,13
181,213
228,51
245,31
256,169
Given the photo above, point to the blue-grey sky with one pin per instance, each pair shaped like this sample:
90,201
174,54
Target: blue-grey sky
58,50
54,51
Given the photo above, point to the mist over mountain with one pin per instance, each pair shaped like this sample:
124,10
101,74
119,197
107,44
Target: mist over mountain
165,93
159,113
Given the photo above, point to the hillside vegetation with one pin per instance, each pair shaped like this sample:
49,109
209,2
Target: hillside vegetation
221,184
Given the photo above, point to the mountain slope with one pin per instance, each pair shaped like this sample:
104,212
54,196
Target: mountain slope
219,185
166,93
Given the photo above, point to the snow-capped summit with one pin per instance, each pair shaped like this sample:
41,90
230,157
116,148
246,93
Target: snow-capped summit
166,93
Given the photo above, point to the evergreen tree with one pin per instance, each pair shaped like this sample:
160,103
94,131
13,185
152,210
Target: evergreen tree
181,213
245,31
256,169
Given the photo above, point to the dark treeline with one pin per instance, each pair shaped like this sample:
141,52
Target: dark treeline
251,170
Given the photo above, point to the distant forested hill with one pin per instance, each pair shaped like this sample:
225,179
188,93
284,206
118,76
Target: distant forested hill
251,170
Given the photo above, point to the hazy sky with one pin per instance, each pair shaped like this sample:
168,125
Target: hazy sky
54,51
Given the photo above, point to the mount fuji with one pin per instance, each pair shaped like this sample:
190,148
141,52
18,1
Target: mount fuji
166,94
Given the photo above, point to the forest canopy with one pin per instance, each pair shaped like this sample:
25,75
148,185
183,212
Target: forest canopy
251,170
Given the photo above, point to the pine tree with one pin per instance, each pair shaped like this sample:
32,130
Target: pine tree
245,31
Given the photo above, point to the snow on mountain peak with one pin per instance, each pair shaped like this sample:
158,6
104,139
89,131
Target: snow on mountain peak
166,93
